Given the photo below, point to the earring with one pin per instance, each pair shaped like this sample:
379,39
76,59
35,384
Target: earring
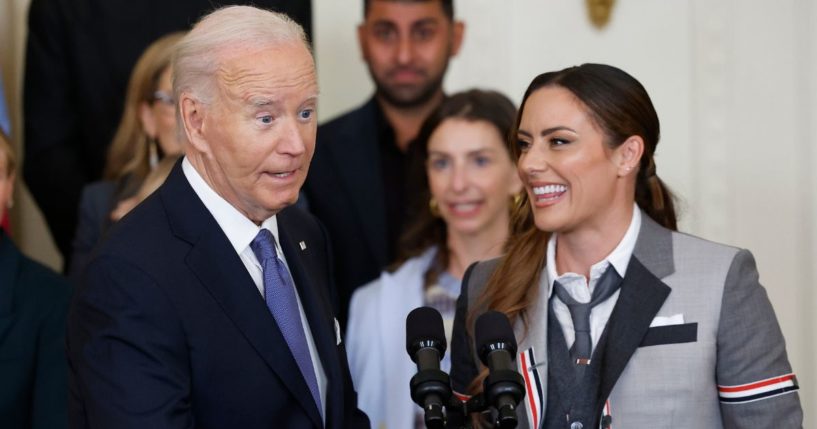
626,170
516,199
153,152
433,207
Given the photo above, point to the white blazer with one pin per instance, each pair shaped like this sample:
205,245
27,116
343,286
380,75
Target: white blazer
376,343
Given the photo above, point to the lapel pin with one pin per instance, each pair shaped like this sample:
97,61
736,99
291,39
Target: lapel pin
303,245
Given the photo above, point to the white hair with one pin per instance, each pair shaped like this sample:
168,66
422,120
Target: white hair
199,54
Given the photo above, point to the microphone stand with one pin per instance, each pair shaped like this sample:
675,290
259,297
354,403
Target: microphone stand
458,413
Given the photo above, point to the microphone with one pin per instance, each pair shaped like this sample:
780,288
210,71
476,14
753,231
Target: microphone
425,343
496,346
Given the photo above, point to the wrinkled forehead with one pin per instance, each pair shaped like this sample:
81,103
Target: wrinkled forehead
245,72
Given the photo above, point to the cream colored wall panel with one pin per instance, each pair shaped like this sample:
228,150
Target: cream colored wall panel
342,76
810,217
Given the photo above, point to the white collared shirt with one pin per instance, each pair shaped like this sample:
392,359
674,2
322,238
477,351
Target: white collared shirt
578,288
241,231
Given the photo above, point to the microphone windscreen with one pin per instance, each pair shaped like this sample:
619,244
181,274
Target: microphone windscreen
423,324
493,327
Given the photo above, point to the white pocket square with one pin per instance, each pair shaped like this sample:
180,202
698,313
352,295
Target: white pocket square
677,319
337,332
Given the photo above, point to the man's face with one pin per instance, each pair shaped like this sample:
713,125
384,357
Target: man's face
255,141
406,46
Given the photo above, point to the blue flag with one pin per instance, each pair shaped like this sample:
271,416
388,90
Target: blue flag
5,122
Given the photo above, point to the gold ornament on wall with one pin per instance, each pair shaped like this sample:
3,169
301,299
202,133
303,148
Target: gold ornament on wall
599,11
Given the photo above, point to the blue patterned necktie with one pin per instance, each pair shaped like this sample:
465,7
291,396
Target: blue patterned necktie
609,282
279,292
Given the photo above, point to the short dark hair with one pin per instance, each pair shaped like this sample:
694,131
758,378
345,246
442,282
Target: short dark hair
448,6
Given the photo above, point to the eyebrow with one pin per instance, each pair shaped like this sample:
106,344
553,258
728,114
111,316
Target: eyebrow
260,101
469,153
547,131
419,22
425,21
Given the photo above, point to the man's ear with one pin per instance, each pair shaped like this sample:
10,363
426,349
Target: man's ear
457,33
628,155
193,114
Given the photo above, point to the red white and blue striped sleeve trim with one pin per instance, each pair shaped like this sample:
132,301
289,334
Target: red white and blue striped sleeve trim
758,390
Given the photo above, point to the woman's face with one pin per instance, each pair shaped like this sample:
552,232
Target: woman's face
6,185
571,176
470,175
159,117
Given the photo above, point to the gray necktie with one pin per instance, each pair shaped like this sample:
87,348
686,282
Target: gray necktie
609,282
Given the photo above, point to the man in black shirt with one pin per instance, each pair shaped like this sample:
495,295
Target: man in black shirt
357,182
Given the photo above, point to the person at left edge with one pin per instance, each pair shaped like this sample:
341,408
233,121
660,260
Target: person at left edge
178,323
33,304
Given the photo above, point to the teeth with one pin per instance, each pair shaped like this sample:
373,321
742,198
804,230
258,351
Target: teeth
549,189
281,174
464,207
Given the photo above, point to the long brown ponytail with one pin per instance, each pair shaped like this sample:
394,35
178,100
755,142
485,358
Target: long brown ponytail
620,106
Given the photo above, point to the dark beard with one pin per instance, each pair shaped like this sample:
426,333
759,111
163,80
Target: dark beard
421,98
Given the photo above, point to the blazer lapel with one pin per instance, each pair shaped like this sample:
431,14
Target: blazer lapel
221,272
533,343
9,266
641,297
317,310
357,154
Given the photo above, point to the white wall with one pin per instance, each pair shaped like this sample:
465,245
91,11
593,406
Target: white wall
733,83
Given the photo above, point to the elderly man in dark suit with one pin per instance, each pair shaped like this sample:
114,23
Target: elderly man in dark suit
208,304
79,55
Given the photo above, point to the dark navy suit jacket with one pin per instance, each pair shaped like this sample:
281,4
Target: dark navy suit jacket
33,374
346,192
169,331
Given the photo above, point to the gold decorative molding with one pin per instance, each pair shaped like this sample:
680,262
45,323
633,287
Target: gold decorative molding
599,12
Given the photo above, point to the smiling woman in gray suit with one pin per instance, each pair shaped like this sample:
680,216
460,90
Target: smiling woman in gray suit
621,320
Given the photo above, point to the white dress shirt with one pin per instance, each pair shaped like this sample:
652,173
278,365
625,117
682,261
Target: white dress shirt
241,231
578,288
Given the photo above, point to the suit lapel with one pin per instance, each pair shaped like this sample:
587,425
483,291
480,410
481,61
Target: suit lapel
357,156
9,266
318,313
533,337
641,297
220,270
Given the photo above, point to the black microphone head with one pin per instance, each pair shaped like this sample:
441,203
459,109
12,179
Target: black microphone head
493,331
424,328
